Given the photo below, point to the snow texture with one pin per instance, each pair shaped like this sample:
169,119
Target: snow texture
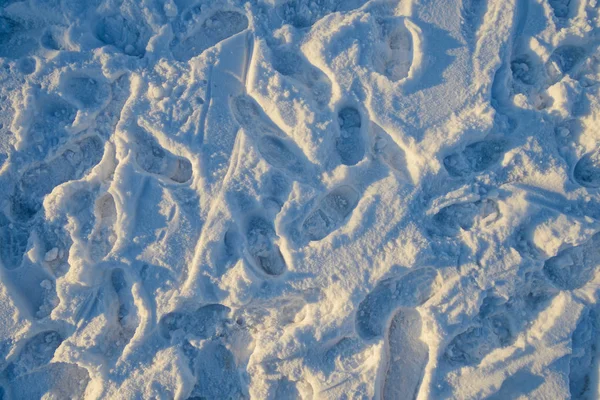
299,199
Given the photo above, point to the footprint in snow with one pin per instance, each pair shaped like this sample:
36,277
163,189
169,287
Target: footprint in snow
291,64
219,26
154,159
273,145
455,218
330,212
117,31
410,290
350,144
393,55
205,323
407,356
475,158
587,170
103,236
73,163
265,253
574,267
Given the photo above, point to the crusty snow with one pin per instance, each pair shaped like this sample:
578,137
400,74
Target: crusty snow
299,199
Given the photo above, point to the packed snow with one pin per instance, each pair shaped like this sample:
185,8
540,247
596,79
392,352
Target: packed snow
299,199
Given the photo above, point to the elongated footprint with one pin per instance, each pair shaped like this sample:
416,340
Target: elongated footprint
408,356
103,236
350,144
260,236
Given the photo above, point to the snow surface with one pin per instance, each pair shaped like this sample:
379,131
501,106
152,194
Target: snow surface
299,199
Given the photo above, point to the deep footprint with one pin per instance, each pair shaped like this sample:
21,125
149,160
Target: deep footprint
524,70
476,157
330,213
260,236
560,7
455,218
410,290
574,267
587,170
154,159
408,356
350,144
39,181
220,26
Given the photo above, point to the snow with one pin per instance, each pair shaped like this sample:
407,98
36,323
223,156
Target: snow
299,199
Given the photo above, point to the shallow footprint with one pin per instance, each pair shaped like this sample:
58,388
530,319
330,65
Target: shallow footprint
584,355
53,381
84,91
272,143
37,352
350,144
251,116
216,373
563,61
154,159
204,323
260,236
126,316
13,243
455,218
277,153
103,236
119,32
388,150
330,212
410,290
37,182
587,170
575,266
408,356
218,27
476,157
290,63
394,54
15,40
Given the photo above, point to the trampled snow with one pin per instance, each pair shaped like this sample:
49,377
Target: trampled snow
299,199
